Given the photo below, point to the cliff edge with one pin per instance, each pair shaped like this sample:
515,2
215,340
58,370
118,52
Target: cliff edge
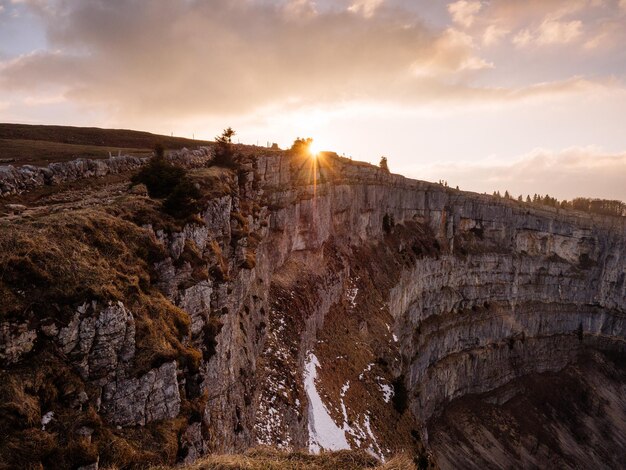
311,304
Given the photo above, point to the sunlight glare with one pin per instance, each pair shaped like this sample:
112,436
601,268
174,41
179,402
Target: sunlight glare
314,149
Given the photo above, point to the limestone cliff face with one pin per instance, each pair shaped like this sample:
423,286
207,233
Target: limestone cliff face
514,290
466,294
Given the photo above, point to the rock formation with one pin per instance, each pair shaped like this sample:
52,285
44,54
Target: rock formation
465,295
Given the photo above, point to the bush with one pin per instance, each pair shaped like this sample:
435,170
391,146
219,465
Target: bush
183,200
384,165
302,146
159,176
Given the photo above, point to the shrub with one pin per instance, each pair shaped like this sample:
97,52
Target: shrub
302,146
159,176
384,164
183,200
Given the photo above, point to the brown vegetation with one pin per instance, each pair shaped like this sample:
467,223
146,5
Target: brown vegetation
40,145
40,153
50,265
269,459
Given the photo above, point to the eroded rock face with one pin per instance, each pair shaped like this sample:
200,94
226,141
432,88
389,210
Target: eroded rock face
477,292
515,289
100,341
15,341
138,401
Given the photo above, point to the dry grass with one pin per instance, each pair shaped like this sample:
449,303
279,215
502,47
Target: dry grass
48,267
39,152
270,459
40,145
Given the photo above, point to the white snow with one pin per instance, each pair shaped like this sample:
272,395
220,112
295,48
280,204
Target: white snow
395,338
45,419
374,449
324,434
367,369
387,391
352,292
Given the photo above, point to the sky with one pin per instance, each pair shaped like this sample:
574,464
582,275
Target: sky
526,96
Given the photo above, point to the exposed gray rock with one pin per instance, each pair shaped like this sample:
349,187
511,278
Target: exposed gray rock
192,443
138,401
196,301
15,340
100,346
15,180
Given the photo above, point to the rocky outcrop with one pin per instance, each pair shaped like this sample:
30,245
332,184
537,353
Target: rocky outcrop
16,339
100,342
138,401
16,180
516,289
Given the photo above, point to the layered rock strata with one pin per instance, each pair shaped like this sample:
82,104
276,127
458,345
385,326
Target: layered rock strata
511,289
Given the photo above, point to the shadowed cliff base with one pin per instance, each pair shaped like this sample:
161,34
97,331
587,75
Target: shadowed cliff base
575,418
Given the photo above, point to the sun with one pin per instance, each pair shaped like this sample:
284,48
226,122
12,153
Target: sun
314,149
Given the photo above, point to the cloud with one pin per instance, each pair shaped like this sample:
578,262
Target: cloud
550,32
367,8
559,32
493,34
189,59
452,52
192,58
570,173
300,9
577,24
464,12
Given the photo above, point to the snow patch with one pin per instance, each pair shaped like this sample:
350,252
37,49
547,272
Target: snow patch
324,434
46,419
373,449
387,391
367,369
352,292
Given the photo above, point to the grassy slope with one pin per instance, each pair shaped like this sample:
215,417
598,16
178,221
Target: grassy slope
40,145
41,152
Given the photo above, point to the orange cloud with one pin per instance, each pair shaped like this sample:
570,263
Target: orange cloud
236,56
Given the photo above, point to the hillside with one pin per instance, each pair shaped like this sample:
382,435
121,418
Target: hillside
40,145
305,305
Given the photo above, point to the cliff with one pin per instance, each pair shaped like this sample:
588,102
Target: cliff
140,338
